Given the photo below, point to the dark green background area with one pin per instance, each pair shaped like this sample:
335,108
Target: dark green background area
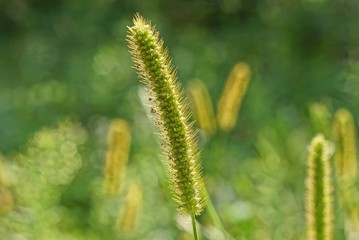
70,58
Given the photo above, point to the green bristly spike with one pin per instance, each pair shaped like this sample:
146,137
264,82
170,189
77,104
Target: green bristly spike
319,209
171,115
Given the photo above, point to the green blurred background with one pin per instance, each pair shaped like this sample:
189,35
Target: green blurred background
62,60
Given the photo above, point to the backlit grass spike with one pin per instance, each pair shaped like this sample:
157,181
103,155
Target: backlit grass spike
130,213
345,142
202,106
171,115
232,96
319,209
118,140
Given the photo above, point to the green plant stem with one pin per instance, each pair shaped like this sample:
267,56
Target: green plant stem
194,225
213,213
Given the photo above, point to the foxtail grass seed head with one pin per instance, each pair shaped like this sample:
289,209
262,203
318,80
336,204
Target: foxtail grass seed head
345,141
232,96
171,114
202,105
129,214
319,201
118,141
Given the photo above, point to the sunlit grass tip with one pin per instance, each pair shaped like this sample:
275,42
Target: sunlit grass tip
118,148
319,201
130,212
345,141
171,113
232,96
202,106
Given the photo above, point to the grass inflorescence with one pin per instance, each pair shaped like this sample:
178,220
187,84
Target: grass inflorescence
171,115
319,191
230,102
118,140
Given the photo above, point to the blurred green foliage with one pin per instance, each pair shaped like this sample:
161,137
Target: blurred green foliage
63,59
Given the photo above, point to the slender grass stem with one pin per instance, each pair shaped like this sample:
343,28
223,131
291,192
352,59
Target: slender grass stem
194,226
213,213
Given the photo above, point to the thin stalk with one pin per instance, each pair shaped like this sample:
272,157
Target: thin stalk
194,226
213,213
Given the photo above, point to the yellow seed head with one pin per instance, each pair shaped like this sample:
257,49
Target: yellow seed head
202,106
129,214
232,96
118,141
171,115
345,142
319,209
